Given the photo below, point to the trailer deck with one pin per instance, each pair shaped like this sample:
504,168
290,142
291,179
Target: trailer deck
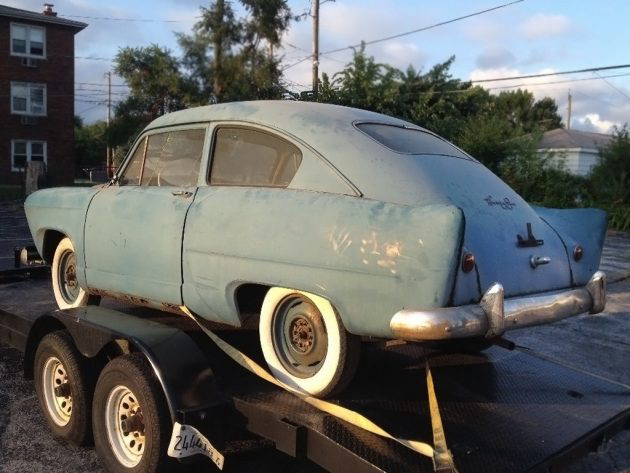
502,410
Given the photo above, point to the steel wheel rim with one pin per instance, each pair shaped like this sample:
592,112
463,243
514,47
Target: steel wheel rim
67,278
55,376
299,336
128,446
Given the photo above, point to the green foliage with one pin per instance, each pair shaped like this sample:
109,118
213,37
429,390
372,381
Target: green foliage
489,138
228,58
541,178
225,58
610,178
90,145
619,217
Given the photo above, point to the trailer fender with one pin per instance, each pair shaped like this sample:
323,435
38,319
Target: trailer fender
181,368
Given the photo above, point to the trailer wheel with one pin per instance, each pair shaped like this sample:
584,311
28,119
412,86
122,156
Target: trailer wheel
130,417
305,343
63,382
68,293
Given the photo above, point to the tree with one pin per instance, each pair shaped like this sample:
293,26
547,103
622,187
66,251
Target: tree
610,178
153,75
523,112
89,145
156,87
228,58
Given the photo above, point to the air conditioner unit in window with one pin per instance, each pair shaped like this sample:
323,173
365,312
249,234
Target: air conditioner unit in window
27,120
29,62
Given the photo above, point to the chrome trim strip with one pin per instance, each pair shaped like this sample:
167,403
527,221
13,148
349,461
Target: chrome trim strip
494,315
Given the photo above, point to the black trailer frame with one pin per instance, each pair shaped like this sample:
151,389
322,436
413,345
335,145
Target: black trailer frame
502,410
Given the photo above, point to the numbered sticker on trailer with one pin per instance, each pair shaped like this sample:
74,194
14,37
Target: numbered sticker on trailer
187,441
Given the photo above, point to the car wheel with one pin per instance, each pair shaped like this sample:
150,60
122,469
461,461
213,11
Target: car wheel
305,343
68,293
63,383
130,417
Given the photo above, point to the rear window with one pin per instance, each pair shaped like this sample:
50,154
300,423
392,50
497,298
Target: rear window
409,140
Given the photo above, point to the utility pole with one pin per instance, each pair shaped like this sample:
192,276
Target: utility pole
569,112
108,158
315,46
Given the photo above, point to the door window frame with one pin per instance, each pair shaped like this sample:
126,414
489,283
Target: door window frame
154,131
246,126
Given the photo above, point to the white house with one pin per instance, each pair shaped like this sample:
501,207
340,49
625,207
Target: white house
580,149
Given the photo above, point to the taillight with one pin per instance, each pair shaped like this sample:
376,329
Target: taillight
468,262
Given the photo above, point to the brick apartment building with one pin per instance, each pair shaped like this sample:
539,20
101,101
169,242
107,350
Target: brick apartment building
36,94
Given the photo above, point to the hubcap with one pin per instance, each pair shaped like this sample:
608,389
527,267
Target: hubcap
125,426
299,336
56,390
68,277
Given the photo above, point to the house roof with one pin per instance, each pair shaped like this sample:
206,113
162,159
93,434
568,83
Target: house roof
40,17
562,138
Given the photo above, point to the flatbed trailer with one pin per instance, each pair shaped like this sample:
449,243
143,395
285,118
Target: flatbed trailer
502,410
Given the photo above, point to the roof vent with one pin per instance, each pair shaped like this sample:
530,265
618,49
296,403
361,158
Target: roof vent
48,9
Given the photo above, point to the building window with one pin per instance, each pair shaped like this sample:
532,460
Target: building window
28,41
23,151
28,99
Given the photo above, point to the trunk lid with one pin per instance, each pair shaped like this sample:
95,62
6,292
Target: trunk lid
495,218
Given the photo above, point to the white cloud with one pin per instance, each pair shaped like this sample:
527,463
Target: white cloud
544,25
593,122
494,56
401,55
595,106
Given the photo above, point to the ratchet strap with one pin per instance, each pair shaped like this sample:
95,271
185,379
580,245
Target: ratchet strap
441,456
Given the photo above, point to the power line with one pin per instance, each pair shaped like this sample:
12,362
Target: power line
424,28
142,20
557,82
548,74
612,86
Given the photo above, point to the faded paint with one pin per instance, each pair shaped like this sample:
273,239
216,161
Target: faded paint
372,230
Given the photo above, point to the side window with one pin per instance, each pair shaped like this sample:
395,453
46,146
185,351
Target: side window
245,157
131,174
173,158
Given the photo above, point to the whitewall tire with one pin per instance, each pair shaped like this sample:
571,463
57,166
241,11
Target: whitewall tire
305,343
68,293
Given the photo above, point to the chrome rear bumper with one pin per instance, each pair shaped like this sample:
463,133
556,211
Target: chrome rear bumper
494,314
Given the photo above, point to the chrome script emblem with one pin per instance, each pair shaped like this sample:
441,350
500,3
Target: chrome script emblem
505,204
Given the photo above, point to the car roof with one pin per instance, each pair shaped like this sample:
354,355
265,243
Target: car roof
292,116
377,171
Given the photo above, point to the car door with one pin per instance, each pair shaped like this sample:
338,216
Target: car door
134,227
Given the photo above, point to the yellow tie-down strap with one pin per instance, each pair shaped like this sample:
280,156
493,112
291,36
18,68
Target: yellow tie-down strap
441,456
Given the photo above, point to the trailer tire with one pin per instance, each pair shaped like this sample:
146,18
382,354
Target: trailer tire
127,390
305,343
57,359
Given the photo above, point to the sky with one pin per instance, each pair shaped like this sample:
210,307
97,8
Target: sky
530,37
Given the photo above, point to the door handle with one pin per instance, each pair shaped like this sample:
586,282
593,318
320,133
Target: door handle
182,193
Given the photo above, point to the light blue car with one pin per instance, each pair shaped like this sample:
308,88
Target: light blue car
324,223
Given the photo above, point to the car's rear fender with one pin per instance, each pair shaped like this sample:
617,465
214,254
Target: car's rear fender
369,258
583,227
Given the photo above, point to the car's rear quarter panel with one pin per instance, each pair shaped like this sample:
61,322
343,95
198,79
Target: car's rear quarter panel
369,258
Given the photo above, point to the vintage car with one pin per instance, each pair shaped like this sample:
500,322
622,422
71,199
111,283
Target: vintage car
330,224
